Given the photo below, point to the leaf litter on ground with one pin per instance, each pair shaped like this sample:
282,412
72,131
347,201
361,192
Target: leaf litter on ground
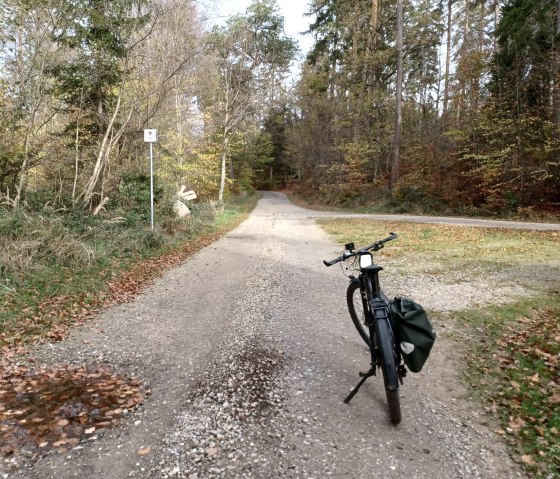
58,406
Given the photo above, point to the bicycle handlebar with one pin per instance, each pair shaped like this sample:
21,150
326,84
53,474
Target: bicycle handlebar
376,246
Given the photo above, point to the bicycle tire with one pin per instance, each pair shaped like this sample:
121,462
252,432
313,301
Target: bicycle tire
388,360
356,310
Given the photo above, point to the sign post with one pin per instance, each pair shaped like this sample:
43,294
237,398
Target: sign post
150,136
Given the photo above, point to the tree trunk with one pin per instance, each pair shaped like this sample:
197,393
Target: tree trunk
556,73
357,94
178,122
23,170
102,156
496,21
372,41
370,76
463,64
225,142
77,149
447,58
398,114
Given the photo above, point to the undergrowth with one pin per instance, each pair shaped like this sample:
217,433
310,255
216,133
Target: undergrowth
58,266
377,200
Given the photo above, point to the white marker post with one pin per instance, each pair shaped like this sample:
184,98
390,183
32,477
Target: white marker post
150,136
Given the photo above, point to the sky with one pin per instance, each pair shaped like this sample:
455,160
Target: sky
291,10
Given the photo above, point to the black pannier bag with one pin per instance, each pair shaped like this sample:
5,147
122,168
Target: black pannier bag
414,333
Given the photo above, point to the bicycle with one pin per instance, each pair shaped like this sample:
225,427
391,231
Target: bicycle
369,309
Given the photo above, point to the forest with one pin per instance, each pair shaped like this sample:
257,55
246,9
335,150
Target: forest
439,103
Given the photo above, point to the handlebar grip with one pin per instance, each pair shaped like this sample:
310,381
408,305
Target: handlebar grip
391,236
331,262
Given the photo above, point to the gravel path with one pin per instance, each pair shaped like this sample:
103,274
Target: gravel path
248,352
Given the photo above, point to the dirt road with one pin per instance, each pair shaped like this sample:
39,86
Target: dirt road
248,352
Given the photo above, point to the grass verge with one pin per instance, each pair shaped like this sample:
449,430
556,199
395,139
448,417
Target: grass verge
44,291
512,350
513,356
450,245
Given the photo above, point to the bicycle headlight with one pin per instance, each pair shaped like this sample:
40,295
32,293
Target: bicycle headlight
365,260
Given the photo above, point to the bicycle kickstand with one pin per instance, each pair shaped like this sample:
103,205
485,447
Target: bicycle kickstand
354,391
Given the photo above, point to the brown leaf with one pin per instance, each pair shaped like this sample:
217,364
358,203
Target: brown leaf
144,450
527,459
516,423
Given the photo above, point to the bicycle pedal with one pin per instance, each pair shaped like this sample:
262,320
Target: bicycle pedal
362,375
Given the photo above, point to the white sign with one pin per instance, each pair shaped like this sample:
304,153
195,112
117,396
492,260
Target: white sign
189,195
186,195
150,136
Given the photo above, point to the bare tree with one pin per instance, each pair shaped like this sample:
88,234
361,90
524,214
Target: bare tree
29,52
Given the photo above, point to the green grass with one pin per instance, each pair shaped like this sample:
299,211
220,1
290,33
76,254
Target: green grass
512,350
48,282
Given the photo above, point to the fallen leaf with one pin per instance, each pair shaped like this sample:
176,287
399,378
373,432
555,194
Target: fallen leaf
516,423
527,459
144,450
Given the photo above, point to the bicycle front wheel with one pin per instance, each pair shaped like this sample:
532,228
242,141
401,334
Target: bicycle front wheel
389,367
356,310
